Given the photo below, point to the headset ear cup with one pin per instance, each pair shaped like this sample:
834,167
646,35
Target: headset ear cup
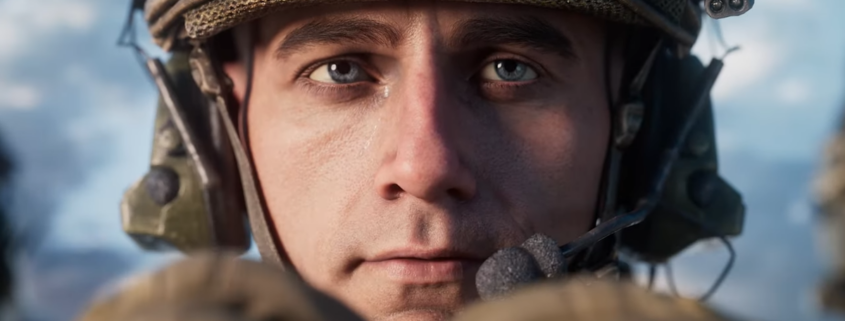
190,199
696,202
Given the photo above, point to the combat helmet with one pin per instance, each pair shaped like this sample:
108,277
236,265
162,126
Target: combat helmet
661,190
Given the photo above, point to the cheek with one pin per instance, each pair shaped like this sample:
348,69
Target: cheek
303,162
566,146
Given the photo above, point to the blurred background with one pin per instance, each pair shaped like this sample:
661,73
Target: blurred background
76,117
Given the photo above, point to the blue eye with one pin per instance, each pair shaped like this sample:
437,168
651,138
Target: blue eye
339,72
508,70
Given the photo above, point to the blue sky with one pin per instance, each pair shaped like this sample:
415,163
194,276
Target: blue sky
77,112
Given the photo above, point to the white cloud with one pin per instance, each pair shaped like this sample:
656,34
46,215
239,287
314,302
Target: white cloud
801,6
10,38
49,15
128,122
77,15
794,91
753,62
114,110
18,96
770,36
25,21
758,56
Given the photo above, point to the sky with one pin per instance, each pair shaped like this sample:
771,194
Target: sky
77,112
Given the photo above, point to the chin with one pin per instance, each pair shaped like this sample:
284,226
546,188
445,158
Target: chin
418,315
379,298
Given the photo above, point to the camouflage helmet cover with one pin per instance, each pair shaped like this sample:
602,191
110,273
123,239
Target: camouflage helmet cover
200,19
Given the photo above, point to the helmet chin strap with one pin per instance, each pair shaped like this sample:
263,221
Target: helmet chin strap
626,119
214,82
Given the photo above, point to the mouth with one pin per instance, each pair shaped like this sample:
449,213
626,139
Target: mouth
424,267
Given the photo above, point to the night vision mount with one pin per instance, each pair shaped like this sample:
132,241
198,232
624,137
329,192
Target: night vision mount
718,9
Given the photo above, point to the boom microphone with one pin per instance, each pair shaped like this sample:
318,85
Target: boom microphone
537,258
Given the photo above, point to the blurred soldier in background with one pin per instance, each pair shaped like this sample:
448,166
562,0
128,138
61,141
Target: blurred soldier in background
830,196
409,158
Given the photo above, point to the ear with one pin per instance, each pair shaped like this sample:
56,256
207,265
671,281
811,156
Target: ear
236,71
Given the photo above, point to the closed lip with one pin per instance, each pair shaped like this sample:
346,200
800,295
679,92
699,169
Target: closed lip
425,254
424,266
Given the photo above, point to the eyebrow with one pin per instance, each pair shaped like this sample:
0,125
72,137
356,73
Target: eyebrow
326,31
529,32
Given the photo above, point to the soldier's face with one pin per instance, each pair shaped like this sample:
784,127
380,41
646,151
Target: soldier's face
398,145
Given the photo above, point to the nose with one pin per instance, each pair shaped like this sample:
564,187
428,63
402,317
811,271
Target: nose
424,156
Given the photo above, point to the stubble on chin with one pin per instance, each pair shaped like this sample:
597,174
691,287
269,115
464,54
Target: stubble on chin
418,315
434,302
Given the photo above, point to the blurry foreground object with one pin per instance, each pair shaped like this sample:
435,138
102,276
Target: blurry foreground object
218,287
589,299
830,195
214,287
6,282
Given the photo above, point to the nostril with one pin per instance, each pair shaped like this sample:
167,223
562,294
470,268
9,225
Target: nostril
393,191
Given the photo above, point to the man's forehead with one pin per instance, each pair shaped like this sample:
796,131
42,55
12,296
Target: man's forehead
458,25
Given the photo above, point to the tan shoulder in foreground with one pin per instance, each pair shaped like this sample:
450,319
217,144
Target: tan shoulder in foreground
588,299
216,287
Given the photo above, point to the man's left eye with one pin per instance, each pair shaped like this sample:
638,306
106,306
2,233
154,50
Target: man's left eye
508,70
339,72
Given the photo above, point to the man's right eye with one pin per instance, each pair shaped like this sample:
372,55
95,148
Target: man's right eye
340,72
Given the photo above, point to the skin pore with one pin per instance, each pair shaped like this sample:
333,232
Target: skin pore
399,144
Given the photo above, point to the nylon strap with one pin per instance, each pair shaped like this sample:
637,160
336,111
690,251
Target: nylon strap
208,78
254,207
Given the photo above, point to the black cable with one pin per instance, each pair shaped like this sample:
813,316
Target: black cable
725,271
128,28
652,273
717,29
670,279
129,37
645,206
731,259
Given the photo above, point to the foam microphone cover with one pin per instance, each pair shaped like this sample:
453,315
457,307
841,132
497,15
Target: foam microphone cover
505,271
547,254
